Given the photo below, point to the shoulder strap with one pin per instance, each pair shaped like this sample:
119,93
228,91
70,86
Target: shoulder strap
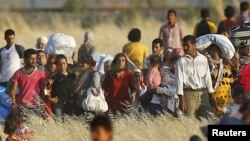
20,50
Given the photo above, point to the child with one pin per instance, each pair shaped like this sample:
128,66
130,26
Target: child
166,93
10,128
153,80
101,128
22,131
140,88
238,94
50,72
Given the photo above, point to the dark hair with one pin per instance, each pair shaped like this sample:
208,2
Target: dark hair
10,126
41,51
87,58
155,59
171,11
16,115
244,6
29,52
59,57
204,13
158,40
117,56
245,105
101,121
134,35
190,38
195,138
238,91
9,32
229,11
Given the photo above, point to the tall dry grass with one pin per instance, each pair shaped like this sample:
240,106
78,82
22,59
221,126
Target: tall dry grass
145,128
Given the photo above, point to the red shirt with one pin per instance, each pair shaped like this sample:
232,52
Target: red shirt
29,86
117,90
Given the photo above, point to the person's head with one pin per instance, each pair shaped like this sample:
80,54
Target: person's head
137,76
17,116
52,58
171,16
107,65
244,50
171,55
134,35
244,6
101,128
30,57
157,46
195,138
245,110
41,42
189,45
215,52
41,58
10,127
119,63
86,61
155,60
224,31
204,13
238,94
229,11
9,37
88,37
51,67
62,63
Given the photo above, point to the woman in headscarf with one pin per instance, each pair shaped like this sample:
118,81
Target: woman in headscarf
222,77
87,78
117,83
87,47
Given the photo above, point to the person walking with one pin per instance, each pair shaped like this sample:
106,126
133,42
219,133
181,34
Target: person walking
194,84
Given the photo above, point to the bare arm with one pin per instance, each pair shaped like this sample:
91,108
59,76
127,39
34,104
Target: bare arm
13,87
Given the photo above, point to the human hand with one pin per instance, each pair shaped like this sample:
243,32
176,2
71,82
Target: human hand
54,100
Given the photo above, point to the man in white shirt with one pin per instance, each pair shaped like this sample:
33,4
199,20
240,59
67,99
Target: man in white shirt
194,84
10,57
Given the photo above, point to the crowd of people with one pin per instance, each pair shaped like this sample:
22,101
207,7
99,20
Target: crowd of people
176,78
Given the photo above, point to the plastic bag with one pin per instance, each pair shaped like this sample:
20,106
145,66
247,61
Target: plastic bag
221,41
60,43
95,101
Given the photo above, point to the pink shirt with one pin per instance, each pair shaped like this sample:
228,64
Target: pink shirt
172,37
154,77
29,86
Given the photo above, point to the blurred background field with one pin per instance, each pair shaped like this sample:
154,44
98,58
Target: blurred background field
110,21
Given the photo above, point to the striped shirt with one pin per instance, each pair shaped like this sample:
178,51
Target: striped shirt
193,73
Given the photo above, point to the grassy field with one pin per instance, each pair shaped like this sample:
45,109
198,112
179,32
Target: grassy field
109,38
146,128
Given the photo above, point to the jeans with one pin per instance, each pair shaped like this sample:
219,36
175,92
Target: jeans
155,109
61,108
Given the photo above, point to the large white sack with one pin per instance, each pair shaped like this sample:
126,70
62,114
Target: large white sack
100,61
221,41
61,43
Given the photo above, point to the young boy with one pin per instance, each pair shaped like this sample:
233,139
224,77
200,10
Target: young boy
238,94
101,128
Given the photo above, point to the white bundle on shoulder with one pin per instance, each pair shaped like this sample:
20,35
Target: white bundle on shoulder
221,41
60,43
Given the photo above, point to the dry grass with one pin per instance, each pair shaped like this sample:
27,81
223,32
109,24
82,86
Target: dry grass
163,128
